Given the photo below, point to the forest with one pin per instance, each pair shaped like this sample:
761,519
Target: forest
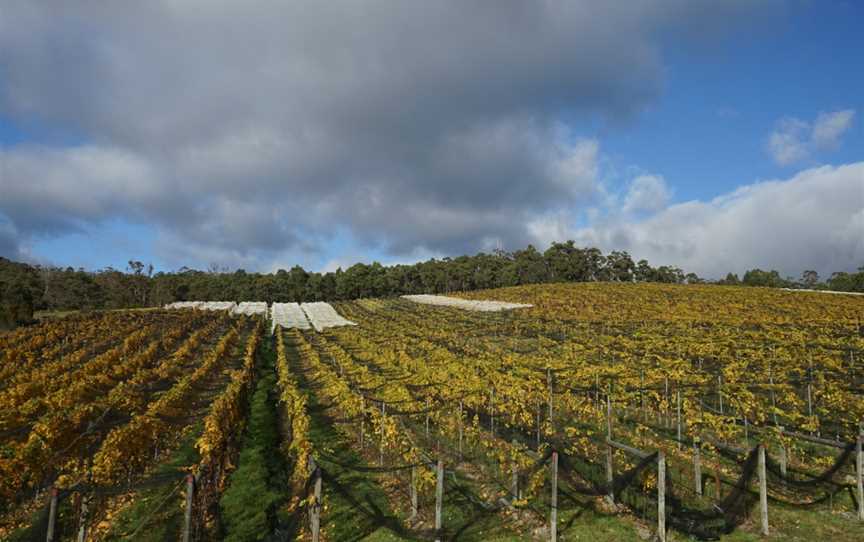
25,288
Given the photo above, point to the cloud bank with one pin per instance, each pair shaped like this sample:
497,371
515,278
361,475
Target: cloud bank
249,133
814,220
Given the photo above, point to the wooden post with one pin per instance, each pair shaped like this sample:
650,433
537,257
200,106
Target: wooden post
413,492
609,468
746,432
187,518
661,496
82,520
439,500
315,512
859,463
697,466
52,515
553,513
678,415
549,383
763,491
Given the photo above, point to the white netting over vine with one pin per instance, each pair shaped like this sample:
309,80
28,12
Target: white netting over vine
251,307
288,315
203,305
184,305
323,315
467,304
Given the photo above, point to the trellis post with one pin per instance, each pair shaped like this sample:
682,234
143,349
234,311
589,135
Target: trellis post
187,518
460,428
413,492
697,466
315,511
553,513
763,491
661,496
439,499
362,421
609,467
427,417
678,415
538,425
720,392
52,515
82,520
492,411
515,480
859,463
381,444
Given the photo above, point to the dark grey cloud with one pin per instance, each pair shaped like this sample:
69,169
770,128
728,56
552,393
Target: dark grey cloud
259,127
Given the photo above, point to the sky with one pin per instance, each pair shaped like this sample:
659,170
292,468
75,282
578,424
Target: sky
713,136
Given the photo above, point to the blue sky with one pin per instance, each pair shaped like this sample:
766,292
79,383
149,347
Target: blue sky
344,146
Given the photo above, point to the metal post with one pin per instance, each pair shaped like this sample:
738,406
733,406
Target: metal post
697,466
439,500
763,490
553,513
52,515
661,496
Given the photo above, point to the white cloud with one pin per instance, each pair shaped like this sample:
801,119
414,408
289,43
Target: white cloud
647,193
814,220
794,140
829,127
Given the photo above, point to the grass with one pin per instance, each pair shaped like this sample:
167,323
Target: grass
256,489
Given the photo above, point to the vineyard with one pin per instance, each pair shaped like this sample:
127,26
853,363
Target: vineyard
615,412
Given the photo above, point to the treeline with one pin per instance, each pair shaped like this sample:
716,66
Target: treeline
25,288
